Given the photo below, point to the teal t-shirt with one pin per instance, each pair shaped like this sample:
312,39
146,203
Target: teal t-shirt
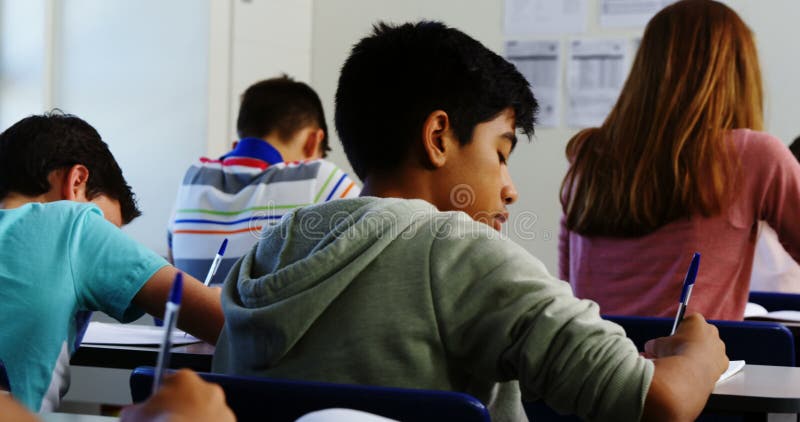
56,260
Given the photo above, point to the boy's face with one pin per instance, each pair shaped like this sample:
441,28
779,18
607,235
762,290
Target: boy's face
476,177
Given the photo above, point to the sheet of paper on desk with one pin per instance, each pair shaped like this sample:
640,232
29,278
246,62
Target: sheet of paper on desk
130,334
754,311
734,366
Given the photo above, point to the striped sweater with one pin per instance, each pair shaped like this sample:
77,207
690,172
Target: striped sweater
236,196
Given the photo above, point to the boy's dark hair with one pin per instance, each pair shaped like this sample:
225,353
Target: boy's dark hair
283,105
397,76
37,145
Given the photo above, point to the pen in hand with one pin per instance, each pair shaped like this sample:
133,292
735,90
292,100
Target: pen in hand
170,319
686,291
215,263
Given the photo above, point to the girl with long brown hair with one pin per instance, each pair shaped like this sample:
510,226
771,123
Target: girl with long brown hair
678,166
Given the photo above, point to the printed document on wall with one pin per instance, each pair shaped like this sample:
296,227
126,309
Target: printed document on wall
539,62
629,13
533,17
596,70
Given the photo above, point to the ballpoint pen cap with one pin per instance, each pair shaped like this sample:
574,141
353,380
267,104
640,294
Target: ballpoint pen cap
690,276
222,248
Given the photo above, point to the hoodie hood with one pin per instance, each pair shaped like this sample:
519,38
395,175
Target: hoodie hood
300,266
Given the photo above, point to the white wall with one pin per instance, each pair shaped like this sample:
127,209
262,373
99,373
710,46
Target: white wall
773,22
139,78
538,168
252,40
22,38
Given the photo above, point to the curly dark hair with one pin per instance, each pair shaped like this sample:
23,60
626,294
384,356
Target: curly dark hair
37,145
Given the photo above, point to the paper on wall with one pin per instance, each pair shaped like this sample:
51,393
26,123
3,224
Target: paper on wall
539,62
596,70
629,13
531,17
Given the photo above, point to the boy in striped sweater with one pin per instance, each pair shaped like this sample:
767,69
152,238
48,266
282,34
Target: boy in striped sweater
276,166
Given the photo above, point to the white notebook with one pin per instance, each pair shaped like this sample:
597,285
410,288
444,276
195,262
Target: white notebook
131,334
758,312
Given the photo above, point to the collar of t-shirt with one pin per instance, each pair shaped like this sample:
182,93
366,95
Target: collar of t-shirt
255,148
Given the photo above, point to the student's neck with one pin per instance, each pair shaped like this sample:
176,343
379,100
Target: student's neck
396,186
16,200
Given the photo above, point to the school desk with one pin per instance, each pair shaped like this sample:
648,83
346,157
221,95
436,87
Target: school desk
758,390
196,356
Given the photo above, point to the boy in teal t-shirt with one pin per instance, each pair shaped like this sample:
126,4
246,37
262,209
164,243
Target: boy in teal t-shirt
62,201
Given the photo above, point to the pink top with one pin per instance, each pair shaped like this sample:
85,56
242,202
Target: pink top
643,276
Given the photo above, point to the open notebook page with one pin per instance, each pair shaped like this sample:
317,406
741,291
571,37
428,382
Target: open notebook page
130,334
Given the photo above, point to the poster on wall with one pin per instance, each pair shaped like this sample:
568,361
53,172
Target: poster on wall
596,70
535,17
539,62
629,13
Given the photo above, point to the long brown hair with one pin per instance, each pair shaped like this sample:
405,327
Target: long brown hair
662,153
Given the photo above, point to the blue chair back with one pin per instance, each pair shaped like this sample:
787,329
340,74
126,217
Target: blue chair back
259,399
776,301
756,342
82,320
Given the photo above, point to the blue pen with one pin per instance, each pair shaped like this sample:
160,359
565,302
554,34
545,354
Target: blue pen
170,318
686,292
215,263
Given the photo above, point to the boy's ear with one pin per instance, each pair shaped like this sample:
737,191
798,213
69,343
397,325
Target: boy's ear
435,129
311,145
73,187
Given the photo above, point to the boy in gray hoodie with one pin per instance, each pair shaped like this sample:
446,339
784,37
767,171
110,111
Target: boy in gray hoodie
412,284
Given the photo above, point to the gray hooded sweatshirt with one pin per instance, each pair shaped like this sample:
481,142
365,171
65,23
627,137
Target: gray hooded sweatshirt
393,292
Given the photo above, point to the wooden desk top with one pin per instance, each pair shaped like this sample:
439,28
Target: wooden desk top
759,389
196,356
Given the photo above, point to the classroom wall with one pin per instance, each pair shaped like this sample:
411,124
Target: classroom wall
773,22
22,36
250,41
538,168
140,79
